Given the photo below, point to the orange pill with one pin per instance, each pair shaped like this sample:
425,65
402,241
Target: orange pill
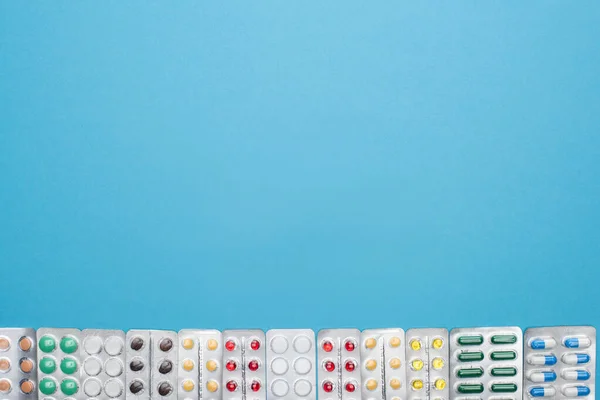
27,386
26,365
4,343
25,343
4,386
4,364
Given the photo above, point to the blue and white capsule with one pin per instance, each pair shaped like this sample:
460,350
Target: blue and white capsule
575,375
581,342
541,359
542,391
542,376
575,358
576,391
542,343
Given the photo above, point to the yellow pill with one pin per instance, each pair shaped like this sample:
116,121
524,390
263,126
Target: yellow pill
415,344
395,363
371,384
188,385
395,341
212,344
440,384
188,344
212,386
211,365
417,364
437,343
437,363
417,384
188,364
370,343
371,365
395,383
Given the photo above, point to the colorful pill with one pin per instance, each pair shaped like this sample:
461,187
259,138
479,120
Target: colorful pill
470,388
470,340
577,343
504,339
504,387
575,391
469,372
540,391
470,356
503,355
540,359
575,375
503,371
542,376
575,358
540,344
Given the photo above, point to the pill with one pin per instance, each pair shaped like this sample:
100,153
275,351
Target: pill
370,343
188,365
136,386
27,386
302,365
541,391
165,388
137,364
575,375
415,344
504,387
395,384
371,384
302,387
470,356
136,343
503,371
69,387
417,384
68,365
395,341
280,388
575,391
113,367
92,387
5,386
437,363
25,343
467,388
211,365
503,355
395,363
212,386
437,343
165,344
504,339
187,344
26,365
212,344
113,388
370,365
542,376
470,340
417,364
540,359
68,344
4,343
577,342
575,358
255,344
439,384
47,365
542,343
4,364
469,372
92,345
187,385
165,367
47,344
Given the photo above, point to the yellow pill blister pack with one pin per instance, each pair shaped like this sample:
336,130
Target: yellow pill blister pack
200,370
427,370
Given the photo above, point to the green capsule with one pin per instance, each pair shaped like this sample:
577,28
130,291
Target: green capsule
47,344
47,386
469,372
504,339
504,387
69,386
470,388
508,371
68,365
68,344
470,356
470,340
503,355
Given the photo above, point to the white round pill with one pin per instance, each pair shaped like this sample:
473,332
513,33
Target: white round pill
92,366
279,344
113,346
302,387
279,387
92,345
302,344
92,387
279,366
113,367
302,365
113,388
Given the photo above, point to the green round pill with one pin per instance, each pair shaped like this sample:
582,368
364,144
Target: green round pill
68,344
68,365
69,387
47,365
47,386
47,344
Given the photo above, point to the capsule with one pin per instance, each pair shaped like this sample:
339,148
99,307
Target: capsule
540,359
577,342
469,372
470,356
575,375
470,340
575,358
503,371
504,339
503,355
542,376
504,387
575,391
470,388
540,344
539,391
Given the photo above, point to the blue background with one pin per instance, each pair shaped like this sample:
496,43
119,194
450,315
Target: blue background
299,164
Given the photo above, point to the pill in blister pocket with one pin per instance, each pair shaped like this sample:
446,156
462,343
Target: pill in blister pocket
540,359
576,391
575,358
575,375
577,342
542,343
542,376
542,391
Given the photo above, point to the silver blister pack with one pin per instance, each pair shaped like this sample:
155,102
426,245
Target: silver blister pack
338,358
244,360
103,360
560,362
427,364
200,364
18,364
59,363
486,363
291,359
383,370
151,358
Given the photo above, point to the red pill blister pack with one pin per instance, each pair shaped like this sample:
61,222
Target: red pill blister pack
244,362
338,358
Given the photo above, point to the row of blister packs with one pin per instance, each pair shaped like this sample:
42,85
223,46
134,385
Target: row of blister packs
496,363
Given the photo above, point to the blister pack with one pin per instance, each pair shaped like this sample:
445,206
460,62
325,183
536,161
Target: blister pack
18,369
382,369
428,367
59,363
291,371
486,363
103,359
244,358
151,358
560,362
338,357
200,364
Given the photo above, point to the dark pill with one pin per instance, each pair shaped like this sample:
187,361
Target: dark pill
136,387
136,365
137,343
166,344
165,389
165,367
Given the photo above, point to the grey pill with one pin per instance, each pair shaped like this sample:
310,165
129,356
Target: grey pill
137,343
136,387
165,389
165,367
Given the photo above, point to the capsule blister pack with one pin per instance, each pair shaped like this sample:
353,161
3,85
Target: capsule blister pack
560,362
151,358
338,357
244,373
291,371
18,370
486,363
59,363
200,369
428,369
103,359
383,368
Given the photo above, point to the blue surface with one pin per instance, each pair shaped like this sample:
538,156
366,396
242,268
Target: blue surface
308,164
